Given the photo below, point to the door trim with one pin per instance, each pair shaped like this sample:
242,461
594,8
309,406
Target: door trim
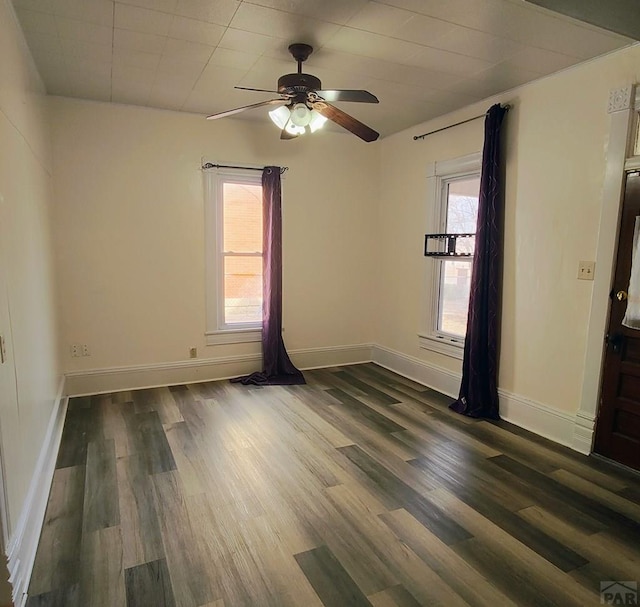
622,102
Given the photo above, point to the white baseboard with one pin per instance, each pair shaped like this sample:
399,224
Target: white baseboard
318,358
113,379
562,427
21,552
431,376
554,424
539,418
583,432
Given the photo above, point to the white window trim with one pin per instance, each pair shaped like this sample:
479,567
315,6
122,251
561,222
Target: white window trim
437,174
217,331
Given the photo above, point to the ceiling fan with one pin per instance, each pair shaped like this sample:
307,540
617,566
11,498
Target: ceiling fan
304,104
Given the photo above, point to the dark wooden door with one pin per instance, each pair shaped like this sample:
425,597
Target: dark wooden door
618,424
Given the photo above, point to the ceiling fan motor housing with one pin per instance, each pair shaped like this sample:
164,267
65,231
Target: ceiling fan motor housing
298,83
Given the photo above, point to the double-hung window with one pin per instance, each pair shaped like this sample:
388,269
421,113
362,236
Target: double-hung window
453,193
234,255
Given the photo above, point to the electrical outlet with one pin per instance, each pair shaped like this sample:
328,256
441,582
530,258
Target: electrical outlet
85,350
193,352
586,270
76,350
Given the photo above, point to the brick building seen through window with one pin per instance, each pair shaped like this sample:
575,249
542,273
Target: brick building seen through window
242,252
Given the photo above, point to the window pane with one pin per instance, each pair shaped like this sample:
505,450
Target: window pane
242,215
242,289
455,283
462,210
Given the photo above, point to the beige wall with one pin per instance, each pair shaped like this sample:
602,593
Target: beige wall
29,380
556,142
129,226
130,248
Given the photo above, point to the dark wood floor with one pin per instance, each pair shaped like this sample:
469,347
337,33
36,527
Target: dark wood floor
360,488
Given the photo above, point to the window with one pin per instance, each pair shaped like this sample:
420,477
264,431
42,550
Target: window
234,255
454,187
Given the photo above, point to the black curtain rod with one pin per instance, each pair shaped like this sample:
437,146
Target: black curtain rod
210,165
444,128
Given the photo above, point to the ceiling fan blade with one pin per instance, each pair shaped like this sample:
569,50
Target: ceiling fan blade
247,88
345,121
347,95
247,107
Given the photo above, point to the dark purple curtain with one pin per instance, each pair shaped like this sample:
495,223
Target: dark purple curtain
278,368
479,389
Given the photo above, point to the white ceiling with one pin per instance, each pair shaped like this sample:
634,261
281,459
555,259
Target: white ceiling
421,58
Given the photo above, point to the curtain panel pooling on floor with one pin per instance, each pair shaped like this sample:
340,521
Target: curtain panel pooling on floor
479,389
278,368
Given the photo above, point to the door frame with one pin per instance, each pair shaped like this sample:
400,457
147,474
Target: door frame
623,106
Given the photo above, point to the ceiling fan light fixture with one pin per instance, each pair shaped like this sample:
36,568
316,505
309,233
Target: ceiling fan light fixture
300,114
294,129
317,121
280,116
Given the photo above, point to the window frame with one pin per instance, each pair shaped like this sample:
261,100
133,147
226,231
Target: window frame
439,175
217,330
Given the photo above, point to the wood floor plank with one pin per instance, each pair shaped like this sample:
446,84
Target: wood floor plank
182,546
597,548
359,488
439,423
524,576
603,496
102,573
292,586
403,565
143,400
630,493
331,582
398,494
101,507
364,413
302,412
396,596
319,378
311,395
386,445
594,468
73,445
57,564
152,441
516,448
62,597
124,396
385,376
115,427
188,458
504,487
248,565
376,395
149,584
472,587
141,538
586,504
166,406
482,502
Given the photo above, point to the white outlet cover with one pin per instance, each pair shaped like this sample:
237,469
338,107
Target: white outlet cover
586,270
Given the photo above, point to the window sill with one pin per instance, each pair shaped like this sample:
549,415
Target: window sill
442,345
233,336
